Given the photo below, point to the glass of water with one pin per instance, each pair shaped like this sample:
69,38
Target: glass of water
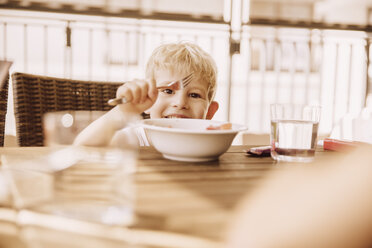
90,183
294,131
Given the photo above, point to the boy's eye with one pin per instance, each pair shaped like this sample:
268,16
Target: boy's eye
167,91
195,95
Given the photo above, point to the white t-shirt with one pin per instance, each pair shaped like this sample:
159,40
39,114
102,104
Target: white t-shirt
130,136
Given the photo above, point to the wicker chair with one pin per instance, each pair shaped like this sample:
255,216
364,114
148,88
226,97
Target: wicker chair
35,95
3,108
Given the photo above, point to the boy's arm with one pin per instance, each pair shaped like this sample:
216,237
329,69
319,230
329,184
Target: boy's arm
101,131
140,95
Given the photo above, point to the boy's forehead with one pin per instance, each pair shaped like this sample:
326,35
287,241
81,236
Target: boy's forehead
165,77
168,74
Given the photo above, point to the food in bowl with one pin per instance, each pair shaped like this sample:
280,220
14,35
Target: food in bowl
225,126
189,139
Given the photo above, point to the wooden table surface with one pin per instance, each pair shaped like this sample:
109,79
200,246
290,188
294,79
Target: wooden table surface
193,202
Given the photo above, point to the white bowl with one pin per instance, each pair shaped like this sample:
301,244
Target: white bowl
188,139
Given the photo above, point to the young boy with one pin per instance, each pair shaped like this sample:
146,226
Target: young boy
168,63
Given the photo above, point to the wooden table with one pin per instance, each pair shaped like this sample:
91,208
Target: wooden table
178,204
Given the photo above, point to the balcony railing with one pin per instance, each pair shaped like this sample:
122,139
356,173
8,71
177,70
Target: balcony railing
286,62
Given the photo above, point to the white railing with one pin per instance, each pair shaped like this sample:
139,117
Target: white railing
275,64
327,68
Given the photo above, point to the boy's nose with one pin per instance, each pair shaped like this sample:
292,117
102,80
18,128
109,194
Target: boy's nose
180,100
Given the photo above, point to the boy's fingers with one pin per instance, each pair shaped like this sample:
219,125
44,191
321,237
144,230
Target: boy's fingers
136,91
128,96
140,95
153,92
121,91
125,92
145,89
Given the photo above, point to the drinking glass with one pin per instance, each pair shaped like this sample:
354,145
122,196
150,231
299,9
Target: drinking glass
90,183
294,130
61,128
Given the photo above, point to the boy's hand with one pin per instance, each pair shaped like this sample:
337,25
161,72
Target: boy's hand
140,95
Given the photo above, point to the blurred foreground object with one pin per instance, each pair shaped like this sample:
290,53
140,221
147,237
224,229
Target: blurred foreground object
327,204
90,183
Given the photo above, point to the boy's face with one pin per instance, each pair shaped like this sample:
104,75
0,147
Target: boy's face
190,102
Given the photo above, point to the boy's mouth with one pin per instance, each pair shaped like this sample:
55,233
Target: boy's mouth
176,116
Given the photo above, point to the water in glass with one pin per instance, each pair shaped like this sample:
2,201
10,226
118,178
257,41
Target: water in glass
293,140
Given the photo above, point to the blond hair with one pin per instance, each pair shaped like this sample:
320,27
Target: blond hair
185,58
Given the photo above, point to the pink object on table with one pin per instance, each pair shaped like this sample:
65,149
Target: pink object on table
261,151
339,145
